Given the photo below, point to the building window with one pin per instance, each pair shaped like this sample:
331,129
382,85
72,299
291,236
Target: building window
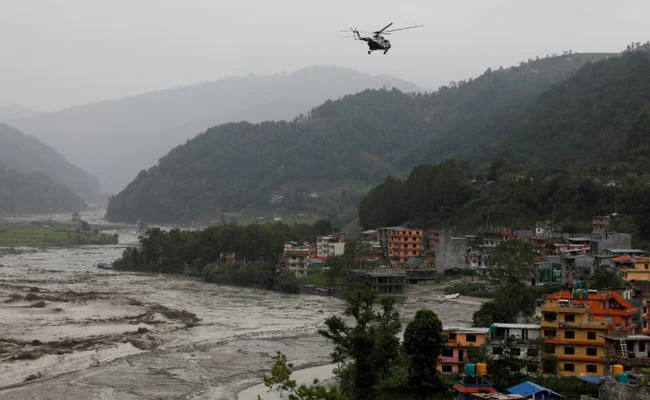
549,317
641,346
532,368
591,368
569,367
471,338
533,352
497,351
446,369
569,335
515,351
591,335
592,351
569,350
452,336
549,334
570,318
447,352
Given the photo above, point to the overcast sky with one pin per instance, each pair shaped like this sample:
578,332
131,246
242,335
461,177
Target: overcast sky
57,53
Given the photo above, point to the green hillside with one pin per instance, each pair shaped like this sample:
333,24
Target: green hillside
358,139
26,154
35,192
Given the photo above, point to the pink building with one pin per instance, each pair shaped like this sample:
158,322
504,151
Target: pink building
457,348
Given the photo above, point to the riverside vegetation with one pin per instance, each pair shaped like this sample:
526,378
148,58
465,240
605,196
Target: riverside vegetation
53,234
257,248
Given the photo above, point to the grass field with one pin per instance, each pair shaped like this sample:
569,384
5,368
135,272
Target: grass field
318,277
27,235
55,235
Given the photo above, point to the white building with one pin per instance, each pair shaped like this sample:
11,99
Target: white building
521,340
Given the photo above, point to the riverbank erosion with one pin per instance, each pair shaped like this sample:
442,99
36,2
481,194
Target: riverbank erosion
73,331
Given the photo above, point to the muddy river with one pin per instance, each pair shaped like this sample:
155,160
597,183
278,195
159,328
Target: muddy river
72,331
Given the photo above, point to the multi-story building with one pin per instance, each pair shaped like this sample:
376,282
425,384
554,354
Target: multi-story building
600,224
645,316
521,341
491,239
574,343
635,269
605,306
458,347
383,238
296,260
404,243
630,351
543,229
323,244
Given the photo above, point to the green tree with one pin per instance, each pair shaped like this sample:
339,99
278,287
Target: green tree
366,351
509,303
280,380
605,279
423,343
511,262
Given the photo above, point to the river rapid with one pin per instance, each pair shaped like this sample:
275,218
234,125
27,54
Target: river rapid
72,331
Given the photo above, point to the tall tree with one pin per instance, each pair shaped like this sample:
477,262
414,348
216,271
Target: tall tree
365,351
423,343
511,262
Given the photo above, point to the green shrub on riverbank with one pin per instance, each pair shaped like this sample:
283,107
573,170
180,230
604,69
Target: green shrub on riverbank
58,235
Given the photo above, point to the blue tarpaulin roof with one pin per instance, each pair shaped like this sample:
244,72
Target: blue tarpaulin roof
594,379
529,389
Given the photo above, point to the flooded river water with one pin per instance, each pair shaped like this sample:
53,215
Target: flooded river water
72,331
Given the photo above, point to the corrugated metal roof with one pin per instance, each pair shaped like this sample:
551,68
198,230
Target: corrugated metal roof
517,326
528,389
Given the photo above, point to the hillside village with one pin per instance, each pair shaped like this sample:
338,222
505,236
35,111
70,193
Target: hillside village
593,334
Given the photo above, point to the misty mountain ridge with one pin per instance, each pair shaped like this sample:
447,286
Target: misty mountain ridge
35,192
26,154
14,111
116,139
342,146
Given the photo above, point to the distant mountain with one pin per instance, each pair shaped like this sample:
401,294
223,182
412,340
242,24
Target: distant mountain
11,111
35,192
26,154
340,148
114,140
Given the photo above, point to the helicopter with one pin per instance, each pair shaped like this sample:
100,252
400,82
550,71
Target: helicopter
377,41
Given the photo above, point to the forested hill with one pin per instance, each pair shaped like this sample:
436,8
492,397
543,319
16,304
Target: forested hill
358,139
26,154
599,115
114,140
35,192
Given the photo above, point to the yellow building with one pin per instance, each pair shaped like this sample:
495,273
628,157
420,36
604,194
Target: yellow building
638,270
574,344
404,243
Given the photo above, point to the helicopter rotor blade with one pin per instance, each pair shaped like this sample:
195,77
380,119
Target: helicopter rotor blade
401,29
383,29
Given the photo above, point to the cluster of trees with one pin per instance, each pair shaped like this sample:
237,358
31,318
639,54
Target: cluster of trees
358,139
256,246
451,195
370,358
34,192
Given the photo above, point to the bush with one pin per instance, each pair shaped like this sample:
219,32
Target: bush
288,283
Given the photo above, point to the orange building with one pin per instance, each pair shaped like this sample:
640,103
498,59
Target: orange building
607,306
404,243
574,344
460,341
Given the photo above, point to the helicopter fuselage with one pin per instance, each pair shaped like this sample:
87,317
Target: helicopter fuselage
377,43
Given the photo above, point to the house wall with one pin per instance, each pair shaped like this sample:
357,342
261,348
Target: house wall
451,252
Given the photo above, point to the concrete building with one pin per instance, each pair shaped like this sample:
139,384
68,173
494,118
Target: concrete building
296,260
323,244
382,280
452,252
489,240
601,224
600,242
458,345
633,268
543,229
574,343
382,237
605,306
336,249
404,243
522,341
631,351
